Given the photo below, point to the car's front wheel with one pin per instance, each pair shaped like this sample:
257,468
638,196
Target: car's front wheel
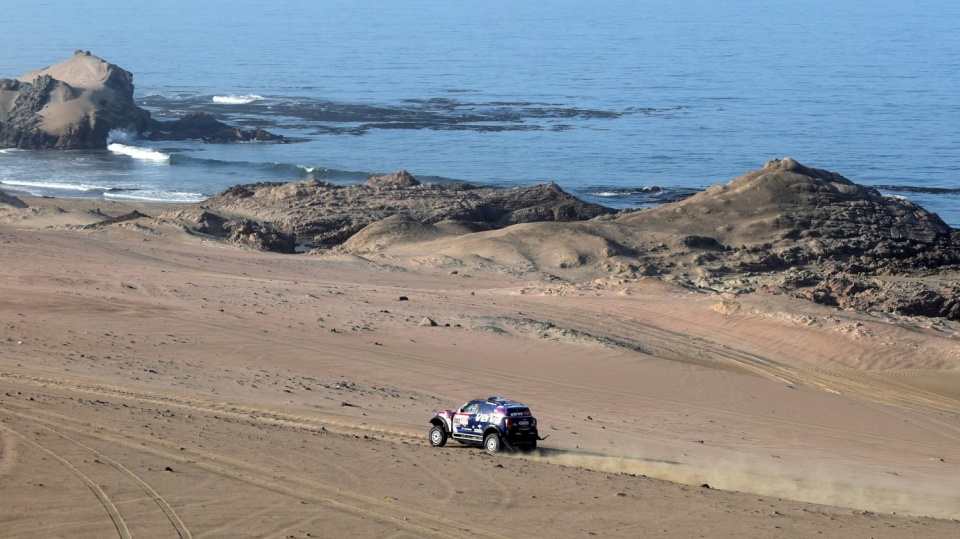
492,442
438,436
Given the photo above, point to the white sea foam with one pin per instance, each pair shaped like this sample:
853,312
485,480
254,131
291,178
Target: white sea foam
27,185
236,99
155,196
122,136
138,153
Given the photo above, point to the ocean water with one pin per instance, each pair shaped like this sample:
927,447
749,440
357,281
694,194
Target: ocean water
625,103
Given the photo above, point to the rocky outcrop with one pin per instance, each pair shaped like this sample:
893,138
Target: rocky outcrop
260,236
203,126
784,229
397,179
10,201
916,298
328,214
76,103
811,233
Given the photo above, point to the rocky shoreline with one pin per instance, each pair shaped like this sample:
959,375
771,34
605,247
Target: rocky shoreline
785,229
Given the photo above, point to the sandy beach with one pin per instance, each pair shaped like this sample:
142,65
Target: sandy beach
158,383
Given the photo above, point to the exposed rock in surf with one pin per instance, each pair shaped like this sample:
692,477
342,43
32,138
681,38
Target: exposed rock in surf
203,126
397,179
78,102
329,214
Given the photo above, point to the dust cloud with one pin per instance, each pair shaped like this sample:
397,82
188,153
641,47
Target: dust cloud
812,487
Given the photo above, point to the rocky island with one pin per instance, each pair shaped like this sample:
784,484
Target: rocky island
76,103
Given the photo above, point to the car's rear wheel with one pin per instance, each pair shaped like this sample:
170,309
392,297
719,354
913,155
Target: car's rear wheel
438,436
492,442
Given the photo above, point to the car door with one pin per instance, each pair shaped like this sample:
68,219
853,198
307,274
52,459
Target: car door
464,420
484,417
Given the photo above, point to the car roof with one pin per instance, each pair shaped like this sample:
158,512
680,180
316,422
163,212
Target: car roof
500,401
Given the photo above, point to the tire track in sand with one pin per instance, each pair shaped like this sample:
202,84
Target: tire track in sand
171,515
262,477
118,522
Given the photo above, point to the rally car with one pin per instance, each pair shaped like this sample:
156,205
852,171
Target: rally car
494,424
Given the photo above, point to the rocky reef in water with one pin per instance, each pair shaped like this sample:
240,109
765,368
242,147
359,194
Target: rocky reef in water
76,103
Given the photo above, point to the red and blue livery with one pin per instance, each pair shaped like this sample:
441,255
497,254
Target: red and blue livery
494,424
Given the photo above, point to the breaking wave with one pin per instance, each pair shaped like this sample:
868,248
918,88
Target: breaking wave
30,186
277,171
633,191
236,99
122,142
138,153
152,195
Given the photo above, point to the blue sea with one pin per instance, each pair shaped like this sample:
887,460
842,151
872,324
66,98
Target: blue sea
625,103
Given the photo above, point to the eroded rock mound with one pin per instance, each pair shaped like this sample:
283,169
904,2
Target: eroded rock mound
852,244
73,104
787,215
328,214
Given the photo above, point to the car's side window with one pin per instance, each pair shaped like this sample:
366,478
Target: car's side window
471,408
487,408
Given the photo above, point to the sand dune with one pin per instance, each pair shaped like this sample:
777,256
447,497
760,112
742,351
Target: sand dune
154,382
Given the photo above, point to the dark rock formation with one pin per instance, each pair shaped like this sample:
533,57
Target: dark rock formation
260,236
328,214
203,126
132,216
76,103
11,201
852,245
397,179
916,298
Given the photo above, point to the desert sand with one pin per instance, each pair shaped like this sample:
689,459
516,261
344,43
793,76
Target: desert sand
158,383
